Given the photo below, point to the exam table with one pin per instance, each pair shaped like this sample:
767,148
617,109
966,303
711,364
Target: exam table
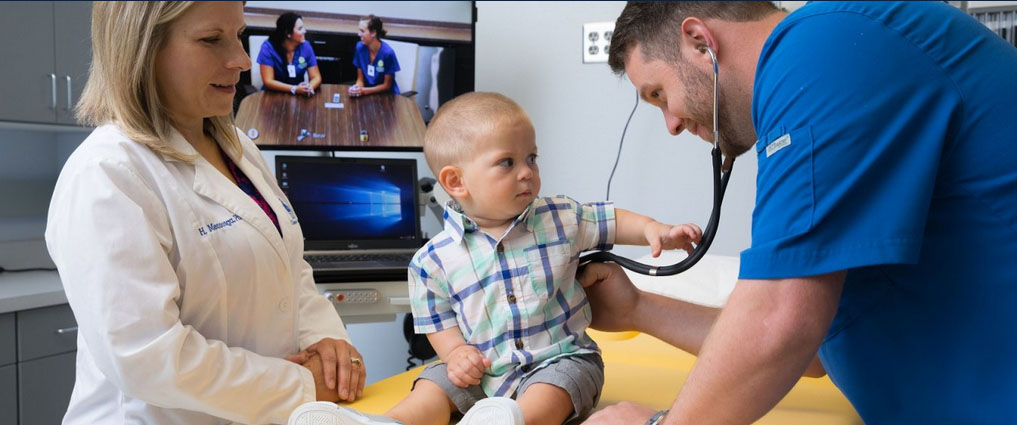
643,369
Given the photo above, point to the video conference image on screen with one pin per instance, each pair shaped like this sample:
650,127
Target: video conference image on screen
351,74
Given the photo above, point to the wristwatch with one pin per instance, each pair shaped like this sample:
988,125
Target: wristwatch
293,89
657,418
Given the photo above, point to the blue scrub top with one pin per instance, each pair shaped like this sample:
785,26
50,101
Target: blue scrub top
888,147
303,58
385,62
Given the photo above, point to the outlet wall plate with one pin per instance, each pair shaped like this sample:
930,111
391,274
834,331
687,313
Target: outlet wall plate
596,41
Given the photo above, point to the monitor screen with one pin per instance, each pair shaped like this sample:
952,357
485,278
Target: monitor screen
352,199
432,43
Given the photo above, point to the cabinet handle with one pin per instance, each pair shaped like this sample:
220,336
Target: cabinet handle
67,330
52,80
69,106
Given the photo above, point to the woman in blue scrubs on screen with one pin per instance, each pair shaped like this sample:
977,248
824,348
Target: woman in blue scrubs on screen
375,61
286,58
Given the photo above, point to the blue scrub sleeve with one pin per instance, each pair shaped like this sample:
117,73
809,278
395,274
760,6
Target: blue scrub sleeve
357,55
268,56
849,147
391,62
312,60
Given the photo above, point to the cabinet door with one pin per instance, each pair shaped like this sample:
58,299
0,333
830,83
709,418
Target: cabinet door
7,340
28,79
8,395
72,31
44,389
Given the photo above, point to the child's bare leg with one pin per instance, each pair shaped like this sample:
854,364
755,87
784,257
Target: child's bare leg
427,404
545,404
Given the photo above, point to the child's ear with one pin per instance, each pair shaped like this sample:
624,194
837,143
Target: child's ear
451,179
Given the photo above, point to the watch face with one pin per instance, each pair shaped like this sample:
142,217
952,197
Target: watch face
252,133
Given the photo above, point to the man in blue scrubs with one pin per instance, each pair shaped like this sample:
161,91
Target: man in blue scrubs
885,226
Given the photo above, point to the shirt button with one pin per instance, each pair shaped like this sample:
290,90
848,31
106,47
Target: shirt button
512,298
519,344
284,305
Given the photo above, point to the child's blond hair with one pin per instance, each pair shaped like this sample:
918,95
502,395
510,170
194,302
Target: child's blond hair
458,124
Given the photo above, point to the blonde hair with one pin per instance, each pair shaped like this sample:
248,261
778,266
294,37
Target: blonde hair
121,87
460,122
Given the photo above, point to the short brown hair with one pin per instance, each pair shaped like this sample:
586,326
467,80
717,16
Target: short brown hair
656,26
458,124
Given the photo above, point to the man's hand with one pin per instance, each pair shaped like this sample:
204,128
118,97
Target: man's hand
662,236
624,413
466,366
612,296
336,357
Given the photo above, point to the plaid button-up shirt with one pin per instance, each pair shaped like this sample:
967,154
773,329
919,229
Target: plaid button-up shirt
515,299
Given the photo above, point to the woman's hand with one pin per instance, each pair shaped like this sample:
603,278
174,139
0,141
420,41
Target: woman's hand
355,91
466,366
304,89
336,357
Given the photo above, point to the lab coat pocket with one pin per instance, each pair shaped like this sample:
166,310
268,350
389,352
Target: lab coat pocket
548,262
785,196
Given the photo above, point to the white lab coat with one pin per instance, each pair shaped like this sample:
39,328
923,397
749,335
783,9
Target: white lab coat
186,297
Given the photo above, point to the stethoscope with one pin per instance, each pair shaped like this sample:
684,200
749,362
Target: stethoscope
720,179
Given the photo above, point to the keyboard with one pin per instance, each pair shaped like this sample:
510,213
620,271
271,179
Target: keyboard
362,260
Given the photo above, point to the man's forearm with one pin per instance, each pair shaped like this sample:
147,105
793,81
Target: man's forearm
686,326
758,348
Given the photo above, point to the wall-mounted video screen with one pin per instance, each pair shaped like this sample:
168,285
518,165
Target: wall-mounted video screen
426,53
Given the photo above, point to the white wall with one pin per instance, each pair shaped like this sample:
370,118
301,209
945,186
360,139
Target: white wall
440,11
531,52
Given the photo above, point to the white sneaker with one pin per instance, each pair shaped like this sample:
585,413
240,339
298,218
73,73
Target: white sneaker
325,413
494,411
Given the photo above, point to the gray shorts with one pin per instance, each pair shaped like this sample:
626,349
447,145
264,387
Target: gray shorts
581,376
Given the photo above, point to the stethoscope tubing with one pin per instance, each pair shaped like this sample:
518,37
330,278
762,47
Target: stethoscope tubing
720,180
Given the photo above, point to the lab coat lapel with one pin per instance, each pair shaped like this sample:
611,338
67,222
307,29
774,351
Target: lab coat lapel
268,192
212,184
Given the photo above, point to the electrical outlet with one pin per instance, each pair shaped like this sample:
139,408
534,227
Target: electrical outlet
596,41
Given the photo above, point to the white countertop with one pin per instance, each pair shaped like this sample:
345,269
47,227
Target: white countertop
28,290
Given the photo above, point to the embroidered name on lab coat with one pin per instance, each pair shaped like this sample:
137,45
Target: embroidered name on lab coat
211,227
776,145
293,217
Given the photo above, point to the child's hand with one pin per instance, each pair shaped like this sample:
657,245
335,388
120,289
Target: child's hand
466,366
665,236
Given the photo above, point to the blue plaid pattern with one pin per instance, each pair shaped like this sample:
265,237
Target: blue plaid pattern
515,299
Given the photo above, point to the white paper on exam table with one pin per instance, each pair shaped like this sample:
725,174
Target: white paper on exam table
708,283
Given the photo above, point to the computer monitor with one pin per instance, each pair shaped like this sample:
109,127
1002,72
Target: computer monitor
434,42
364,202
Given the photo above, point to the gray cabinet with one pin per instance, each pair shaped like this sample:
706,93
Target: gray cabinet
44,389
37,360
46,56
8,355
8,395
46,331
72,22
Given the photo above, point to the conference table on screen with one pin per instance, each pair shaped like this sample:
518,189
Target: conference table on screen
276,119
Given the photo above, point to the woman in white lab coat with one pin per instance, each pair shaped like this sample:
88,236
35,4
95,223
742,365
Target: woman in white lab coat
179,254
